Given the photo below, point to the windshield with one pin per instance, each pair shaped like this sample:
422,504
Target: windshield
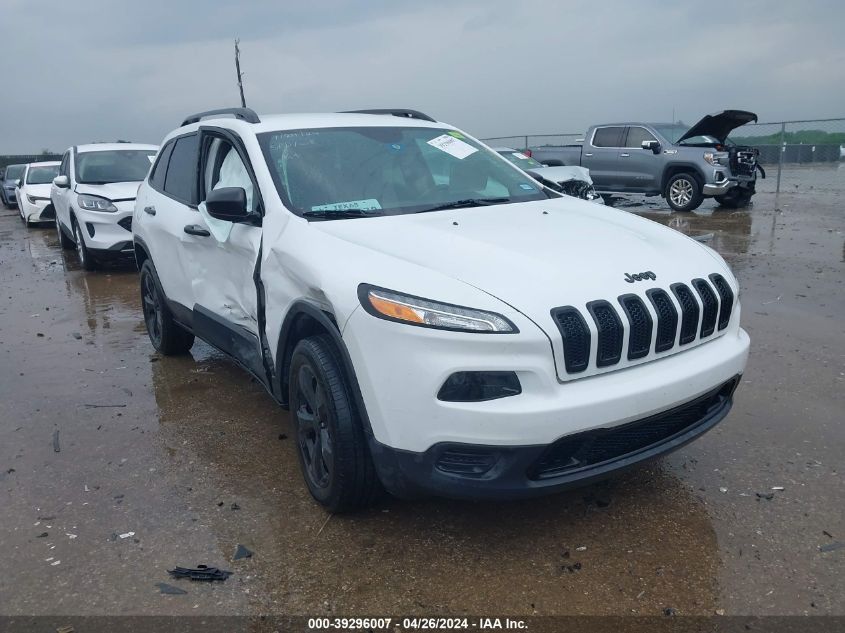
341,172
122,165
521,160
41,175
13,172
674,132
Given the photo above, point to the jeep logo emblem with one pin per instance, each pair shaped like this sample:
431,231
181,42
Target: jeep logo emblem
639,276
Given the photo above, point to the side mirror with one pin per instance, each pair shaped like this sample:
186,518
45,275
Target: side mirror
228,204
654,146
61,182
18,182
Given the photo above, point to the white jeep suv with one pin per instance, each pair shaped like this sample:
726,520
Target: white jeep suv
435,321
94,195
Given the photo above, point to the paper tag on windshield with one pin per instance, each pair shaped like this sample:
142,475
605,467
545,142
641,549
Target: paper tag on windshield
362,205
453,146
151,158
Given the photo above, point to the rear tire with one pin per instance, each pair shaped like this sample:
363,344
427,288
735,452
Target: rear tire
167,336
85,257
330,440
64,241
683,192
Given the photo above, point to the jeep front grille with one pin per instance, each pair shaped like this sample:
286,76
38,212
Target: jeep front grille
656,326
610,333
709,304
576,338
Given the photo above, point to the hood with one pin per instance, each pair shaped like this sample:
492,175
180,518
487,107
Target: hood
41,191
563,174
535,256
112,190
719,125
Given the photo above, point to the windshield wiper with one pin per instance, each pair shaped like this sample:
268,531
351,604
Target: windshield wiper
326,214
468,202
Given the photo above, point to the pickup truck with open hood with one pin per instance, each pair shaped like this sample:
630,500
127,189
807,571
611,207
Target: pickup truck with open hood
683,164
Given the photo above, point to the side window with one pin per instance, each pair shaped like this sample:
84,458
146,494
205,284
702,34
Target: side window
608,137
63,168
181,179
224,167
636,136
159,170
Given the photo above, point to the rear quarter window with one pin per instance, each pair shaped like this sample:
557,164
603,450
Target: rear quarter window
181,179
159,170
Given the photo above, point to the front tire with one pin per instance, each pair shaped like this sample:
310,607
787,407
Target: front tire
167,336
64,241
683,192
331,445
735,199
85,257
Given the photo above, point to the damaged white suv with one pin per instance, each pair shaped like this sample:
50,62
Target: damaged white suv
435,320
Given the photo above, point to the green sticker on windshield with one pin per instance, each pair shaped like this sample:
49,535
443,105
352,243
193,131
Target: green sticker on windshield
360,205
456,134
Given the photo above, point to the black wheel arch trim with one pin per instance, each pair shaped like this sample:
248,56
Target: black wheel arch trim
326,319
673,169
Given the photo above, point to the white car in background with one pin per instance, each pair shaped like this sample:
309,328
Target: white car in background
94,195
572,181
33,192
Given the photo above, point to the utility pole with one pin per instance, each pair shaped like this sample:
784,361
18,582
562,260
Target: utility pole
240,74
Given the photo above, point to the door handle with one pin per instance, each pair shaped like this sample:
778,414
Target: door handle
150,210
624,155
588,154
193,229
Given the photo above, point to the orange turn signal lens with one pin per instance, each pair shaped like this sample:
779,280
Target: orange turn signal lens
395,310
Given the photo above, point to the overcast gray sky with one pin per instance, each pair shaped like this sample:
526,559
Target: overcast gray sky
100,69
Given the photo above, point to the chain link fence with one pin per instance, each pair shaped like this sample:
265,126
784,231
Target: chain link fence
796,154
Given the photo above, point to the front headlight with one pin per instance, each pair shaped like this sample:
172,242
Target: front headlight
395,306
95,203
714,159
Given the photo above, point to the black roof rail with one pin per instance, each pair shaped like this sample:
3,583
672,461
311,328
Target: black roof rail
408,114
244,114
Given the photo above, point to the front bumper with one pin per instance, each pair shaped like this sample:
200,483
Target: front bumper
721,186
469,471
103,232
400,370
9,197
38,211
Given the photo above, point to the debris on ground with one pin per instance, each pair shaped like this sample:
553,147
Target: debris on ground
670,611
572,568
235,506
720,612
831,547
77,336
768,496
723,490
778,488
581,548
127,535
201,573
282,436
66,629
42,535
242,552
56,446
170,589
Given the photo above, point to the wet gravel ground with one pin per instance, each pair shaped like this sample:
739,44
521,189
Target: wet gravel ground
117,464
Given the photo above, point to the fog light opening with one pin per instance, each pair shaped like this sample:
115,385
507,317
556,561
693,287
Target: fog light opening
478,386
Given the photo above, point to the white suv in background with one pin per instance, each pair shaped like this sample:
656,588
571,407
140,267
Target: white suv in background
33,192
94,195
435,320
